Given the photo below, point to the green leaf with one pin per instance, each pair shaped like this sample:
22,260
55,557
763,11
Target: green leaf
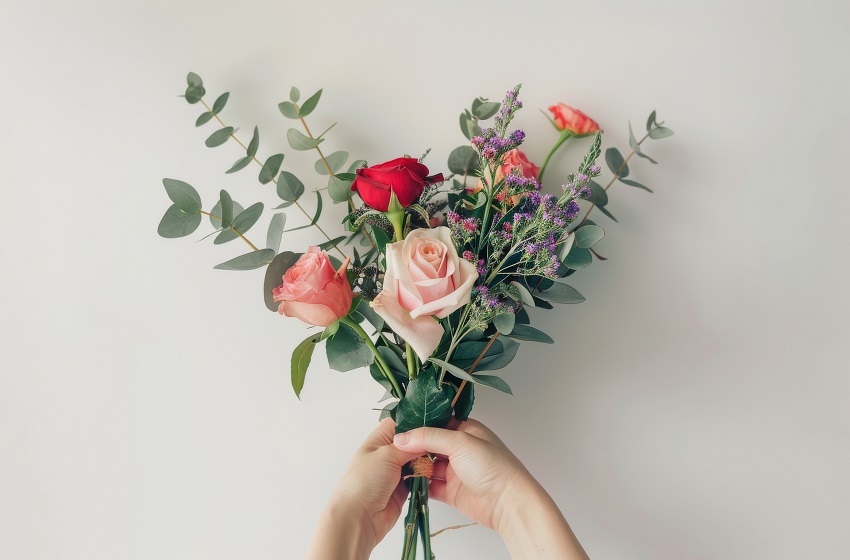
300,142
288,110
578,258
240,164
644,156
598,196
486,110
241,223
330,330
220,102
316,216
183,195
254,144
650,121
635,184
217,211
463,160
196,90
248,261
388,411
274,276
204,118
335,161
504,322
225,204
294,94
524,294
559,292
587,236
616,163
524,332
566,246
270,168
194,80
219,137
453,369
309,105
370,315
500,354
289,187
466,126
330,244
633,143
347,351
464,403
495,382
355,165
301,357
660,132
275,232
177,223
424,404
339,189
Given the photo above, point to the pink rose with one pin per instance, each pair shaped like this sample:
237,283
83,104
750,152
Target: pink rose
568,118
424,278
313,291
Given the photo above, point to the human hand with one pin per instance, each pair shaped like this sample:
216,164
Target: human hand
367,501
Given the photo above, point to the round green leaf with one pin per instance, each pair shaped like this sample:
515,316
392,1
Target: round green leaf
310,104
559,292
219,137
274,276
226,204
217,211
525,332
504,322
335,161
194,80
486,110
183,195
347,351
660,132
598,196
588,235
616,163
578,258
339,189
275,231
294,94
177,223
289,187
243,221
463,160
240,164
220,102
204,118
298,141
288,110
270,168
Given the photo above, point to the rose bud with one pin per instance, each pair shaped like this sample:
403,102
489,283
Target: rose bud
405,177
573,120
313,291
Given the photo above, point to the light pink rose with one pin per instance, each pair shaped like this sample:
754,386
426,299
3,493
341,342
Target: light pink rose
313,291
424,278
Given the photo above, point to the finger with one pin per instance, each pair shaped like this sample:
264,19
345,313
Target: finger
440,469
399,495
477,429
434,440
391,454
381,435
437,490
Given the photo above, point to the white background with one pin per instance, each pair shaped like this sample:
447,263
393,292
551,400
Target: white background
694,407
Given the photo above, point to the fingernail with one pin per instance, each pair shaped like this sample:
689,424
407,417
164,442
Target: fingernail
401,439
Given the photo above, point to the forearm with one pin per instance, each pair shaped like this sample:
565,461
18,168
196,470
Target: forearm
340,535
537,530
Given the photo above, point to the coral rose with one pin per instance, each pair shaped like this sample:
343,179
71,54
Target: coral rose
424,278
513,159
313,291
568,118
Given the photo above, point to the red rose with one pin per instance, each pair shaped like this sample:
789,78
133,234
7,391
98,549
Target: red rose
405,177
567,118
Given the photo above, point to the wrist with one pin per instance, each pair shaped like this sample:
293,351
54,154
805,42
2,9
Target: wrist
342,533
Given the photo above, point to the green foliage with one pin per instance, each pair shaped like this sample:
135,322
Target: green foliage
301,357
254,145
578,258
274,275
183,195
310,104
204,118
588,235
331,243
660,132
499,355
484,109
217,211
219,137
289,187
347,351
220,102
559,292
504,322
464,160
178,223
650,122
616,163
288,110
335,161
240,164
598,196
424,403
196,90
523,294
592,154
275,231
525,332
635,184
300,142
243,221
225,204
316,216
339,188
294,94
248,261
486,380
464,403
270,168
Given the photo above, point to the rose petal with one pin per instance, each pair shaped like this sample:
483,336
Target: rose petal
422,333
312,313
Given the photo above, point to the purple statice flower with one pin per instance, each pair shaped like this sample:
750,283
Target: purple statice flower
482,268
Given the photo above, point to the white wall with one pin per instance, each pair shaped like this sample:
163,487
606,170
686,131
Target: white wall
694,407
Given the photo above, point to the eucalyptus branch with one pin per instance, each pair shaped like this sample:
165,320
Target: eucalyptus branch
274,180
471,369
382,364
236,231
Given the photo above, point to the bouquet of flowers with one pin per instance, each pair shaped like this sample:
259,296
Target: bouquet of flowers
447,265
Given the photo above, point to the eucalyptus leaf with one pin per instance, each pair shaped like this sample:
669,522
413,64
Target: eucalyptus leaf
294,94
616,163
525,332
633,143
225,204
183,195
660,132
270,168
240,164
243,221
464,403
194,80
598,196
274,276
220,102
288,110
275,232
219,137
177,223
331,243
248,261
217,211
339,189
254,144
204,118
463,160
524,294
635,184
316,216
495,382
388,411
504,322
398,367
578,258
335,161
566,246
347,351
309,105
500,354
644,156
486,110
588,235
289,187
559,292
424,403
650,122
301,357
355,165
298,141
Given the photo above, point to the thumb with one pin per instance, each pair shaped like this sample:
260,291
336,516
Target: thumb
432,440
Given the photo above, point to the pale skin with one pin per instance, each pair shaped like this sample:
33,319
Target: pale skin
475,473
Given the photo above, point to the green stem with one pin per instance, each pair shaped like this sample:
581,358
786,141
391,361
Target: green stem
424,521
382,364
397,220
411,362
410,526
566,134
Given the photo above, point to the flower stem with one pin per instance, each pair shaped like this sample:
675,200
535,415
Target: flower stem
382,364
565,135
411,362
410,525
424,521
